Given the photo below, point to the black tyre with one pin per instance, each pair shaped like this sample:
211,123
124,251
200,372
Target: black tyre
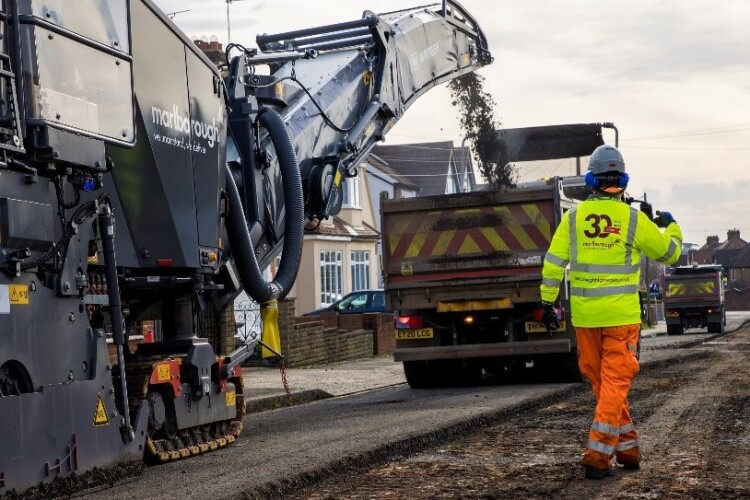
425,374
675,330
570,370
716,327
557,368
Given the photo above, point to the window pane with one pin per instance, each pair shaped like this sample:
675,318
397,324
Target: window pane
331,270
350,192
360,269
345,193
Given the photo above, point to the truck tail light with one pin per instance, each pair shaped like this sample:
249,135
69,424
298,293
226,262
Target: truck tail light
408,322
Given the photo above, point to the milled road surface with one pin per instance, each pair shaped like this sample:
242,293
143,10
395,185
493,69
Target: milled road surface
517,435
694,420
283,450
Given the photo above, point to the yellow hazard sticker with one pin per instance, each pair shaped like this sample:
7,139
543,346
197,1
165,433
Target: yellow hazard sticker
100,413
19,295
164,372
230,398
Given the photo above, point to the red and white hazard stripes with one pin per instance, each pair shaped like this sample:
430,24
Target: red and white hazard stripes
469,232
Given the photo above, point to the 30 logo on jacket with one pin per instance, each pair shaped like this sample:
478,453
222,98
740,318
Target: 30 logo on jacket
602,226
604,232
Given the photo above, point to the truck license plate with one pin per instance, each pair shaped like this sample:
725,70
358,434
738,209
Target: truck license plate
419,333
535,327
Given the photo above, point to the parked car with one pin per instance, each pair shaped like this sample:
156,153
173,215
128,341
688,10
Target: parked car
362,301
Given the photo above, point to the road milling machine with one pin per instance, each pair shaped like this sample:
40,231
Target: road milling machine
139,183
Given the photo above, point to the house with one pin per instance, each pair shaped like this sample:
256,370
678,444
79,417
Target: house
339,255
714,251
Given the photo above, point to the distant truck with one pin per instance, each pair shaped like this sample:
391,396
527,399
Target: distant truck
694,298
463,271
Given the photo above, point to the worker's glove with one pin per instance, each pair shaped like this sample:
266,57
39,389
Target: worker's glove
549,317
663,219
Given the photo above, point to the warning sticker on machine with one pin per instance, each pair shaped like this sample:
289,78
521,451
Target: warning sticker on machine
100,414
19,295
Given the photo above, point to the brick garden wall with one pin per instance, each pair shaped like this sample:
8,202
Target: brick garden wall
328,338
342,335
311,343
383,340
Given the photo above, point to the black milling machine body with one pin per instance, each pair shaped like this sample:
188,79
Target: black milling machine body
142,189
120,130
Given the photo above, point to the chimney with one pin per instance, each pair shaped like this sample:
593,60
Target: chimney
712,240
733,233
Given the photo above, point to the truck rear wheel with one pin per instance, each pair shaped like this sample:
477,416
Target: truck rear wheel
560,367
675,330
716,327
468,374
425,374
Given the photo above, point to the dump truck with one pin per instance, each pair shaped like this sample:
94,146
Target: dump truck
463,273
694,298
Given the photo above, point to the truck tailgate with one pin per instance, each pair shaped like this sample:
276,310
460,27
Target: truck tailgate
692,289
493,235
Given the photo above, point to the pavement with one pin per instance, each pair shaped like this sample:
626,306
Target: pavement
268,388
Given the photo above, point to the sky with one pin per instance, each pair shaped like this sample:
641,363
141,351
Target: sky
672,75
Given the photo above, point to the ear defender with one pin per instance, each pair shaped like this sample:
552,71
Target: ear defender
624,178
592,181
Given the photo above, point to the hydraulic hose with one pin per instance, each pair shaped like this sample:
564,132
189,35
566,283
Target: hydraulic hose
239,236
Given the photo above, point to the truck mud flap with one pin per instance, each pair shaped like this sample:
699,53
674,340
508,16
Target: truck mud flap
557,346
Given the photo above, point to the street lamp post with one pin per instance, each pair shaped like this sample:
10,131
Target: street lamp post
229,31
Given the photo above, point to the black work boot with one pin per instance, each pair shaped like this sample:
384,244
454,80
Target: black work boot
631,466
594,473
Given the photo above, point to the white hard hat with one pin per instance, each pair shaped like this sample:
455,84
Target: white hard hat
606,159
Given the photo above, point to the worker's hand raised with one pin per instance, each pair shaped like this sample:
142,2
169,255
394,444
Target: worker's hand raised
663,219
549,317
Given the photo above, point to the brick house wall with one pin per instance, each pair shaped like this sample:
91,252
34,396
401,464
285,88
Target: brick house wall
735,300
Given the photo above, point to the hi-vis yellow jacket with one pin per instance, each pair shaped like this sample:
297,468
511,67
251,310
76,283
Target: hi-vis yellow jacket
602,238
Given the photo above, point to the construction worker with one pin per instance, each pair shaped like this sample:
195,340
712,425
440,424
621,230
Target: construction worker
602,239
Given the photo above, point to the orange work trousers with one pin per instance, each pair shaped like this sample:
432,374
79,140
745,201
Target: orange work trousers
607,358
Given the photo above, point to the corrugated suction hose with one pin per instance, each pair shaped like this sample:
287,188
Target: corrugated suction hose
239,237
